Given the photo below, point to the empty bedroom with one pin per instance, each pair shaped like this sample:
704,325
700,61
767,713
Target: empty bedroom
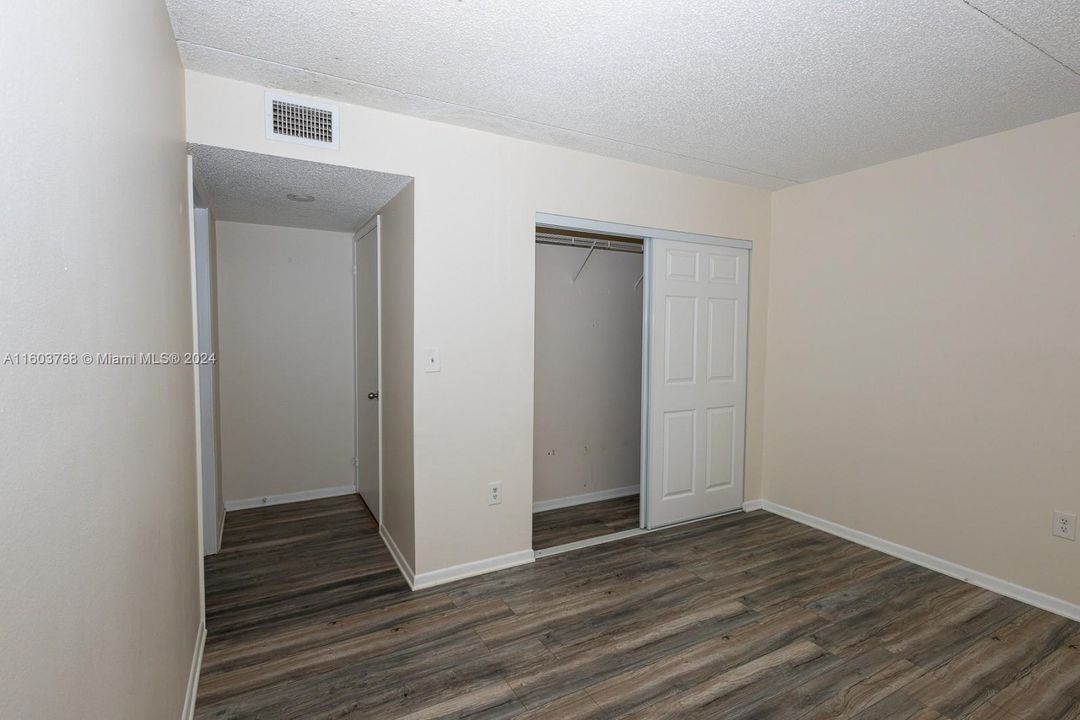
373,360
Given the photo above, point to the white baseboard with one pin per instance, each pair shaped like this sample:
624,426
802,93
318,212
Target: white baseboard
284,498
395,552
188,712
946,567
469,569
752,505
599,495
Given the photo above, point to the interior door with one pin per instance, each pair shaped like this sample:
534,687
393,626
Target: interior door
697,379
366,296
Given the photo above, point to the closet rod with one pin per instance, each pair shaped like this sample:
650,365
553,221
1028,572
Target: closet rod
590,244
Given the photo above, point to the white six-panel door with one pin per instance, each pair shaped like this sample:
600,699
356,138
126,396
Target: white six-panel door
697,380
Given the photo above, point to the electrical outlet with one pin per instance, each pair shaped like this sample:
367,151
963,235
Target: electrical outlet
494,493
1064,525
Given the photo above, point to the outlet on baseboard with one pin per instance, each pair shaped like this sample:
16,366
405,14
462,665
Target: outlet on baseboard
494,493
1064,525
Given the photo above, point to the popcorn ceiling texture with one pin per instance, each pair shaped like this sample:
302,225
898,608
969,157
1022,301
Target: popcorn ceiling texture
1052,25
765,94
251,188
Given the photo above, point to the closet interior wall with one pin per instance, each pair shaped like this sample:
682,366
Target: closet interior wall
587,425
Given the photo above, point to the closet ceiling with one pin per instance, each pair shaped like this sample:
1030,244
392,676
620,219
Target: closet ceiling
762,93
252,188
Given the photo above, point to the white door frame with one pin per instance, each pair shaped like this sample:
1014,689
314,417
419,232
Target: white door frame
376,224
213,520
646,234
199,546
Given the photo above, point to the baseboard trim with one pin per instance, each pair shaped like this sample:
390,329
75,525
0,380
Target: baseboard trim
752,505
584,498
188,712
471,569
399,558
285,498
932,562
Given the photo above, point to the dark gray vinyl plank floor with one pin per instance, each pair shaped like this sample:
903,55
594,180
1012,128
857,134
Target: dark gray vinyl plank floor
744,616
583,522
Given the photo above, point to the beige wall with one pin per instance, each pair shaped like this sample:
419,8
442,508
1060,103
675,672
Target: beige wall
99,574
396,396
285,359
476,196
587,425
924,346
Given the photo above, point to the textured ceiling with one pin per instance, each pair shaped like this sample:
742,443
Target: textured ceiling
250,187
763,93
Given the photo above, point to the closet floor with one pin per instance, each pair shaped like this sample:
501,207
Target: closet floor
581,522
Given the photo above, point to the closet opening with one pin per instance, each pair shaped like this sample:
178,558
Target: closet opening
640,379
587,430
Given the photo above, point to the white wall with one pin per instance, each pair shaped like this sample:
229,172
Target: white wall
396,396
285,361
476,197
587,426
924,342
99,573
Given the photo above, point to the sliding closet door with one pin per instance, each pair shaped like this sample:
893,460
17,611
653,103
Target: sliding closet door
697,380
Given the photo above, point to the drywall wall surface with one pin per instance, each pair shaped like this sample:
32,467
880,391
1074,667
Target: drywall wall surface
285,359
396,394
587,414
99,539
476,199
923,352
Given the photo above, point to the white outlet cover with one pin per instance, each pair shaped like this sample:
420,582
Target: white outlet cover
494,493
1064,525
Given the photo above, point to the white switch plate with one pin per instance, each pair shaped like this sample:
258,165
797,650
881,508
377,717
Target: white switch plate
431,360
1064,525
494,493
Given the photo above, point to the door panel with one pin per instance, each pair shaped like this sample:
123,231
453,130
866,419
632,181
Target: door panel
680,340
720,448
679,453
723,323
367,367
697,380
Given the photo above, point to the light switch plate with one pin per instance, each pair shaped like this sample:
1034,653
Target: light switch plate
431,360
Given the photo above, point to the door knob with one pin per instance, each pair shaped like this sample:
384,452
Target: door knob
373,396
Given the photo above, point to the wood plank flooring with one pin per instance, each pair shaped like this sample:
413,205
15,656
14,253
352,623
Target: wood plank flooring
581,522
745,616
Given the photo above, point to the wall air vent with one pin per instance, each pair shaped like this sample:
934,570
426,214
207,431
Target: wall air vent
301,120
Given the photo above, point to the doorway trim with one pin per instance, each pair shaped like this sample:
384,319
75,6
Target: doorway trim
646,235
566,222
375,223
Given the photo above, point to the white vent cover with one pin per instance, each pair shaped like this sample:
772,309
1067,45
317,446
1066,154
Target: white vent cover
301,120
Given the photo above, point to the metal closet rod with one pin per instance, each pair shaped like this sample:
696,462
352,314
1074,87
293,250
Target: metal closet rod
589,243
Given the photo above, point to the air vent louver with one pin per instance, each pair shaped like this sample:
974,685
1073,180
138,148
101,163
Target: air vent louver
301,120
